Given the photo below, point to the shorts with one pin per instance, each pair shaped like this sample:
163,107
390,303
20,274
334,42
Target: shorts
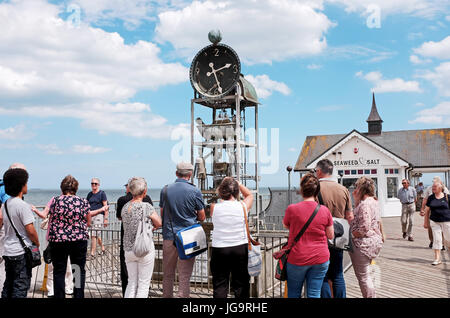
97,221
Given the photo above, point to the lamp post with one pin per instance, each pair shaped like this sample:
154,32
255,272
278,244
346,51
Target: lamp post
289,169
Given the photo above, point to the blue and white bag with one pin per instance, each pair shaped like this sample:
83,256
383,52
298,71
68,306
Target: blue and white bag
191,241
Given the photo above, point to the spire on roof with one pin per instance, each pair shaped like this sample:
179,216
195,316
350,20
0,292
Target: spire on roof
374,116
374,121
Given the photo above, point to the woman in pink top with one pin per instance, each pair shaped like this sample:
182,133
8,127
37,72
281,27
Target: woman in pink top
309,258
367,237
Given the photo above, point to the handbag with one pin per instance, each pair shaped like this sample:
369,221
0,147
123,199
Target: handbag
32,253
282,255
189,241
342,235
143,242
254,250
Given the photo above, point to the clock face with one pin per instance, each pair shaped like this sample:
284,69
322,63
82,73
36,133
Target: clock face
215,70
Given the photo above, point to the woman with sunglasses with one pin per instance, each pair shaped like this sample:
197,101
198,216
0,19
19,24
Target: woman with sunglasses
98,201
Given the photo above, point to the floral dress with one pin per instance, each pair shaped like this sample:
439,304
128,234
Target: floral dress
366,222
68,219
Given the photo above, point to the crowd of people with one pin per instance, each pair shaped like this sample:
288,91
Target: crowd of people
312,264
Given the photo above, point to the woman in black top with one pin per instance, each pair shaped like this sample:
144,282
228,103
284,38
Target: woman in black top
437,216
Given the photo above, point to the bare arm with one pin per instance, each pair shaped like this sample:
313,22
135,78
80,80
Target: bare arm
201,216
105,219
32,234
248,196
211,209
42,214
156,220
1,219
426,221
102,209
330,232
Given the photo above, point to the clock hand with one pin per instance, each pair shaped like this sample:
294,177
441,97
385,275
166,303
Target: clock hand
215,71
215,76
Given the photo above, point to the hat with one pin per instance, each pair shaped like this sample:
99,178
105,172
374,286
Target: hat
184,167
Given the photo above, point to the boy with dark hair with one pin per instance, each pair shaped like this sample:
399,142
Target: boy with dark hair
18,272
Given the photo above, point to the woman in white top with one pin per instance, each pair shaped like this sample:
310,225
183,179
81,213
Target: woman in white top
229,253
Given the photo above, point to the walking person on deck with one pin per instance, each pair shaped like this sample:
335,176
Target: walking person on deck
181,206
337,199
429,191
437,216
97,200
408,197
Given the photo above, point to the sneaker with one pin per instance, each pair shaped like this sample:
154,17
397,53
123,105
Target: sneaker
436,262
410,239
404,235
69,291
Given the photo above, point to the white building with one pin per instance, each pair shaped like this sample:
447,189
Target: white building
386,157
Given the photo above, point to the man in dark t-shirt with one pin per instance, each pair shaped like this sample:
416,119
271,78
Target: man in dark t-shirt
120,204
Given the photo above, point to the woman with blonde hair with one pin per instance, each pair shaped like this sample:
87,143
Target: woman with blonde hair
140,268
366,233
437,216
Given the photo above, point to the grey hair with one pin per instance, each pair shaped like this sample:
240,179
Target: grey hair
326,166
137,186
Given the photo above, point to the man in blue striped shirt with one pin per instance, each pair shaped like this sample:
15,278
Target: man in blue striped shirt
407,196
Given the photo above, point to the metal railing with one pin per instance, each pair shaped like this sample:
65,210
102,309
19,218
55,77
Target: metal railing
103,270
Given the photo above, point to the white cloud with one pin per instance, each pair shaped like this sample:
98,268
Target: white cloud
292,149
438,115
78,71
87,149
417,60
439,77
51,149
18,132
440,50
265,87
129,119
389,85
260,31
354,51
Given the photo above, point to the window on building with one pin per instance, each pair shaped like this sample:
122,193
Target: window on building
392,187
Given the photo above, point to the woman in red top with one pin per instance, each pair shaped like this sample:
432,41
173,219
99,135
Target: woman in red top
309,258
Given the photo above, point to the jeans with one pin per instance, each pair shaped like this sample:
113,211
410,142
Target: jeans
230,260
336,275
140,271
18,277
61,251
170,264
311,274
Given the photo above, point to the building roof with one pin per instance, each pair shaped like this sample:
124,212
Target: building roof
421,148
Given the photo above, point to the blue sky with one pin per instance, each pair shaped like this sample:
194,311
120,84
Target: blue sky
98,88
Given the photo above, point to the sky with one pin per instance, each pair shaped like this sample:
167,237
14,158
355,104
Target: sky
101,88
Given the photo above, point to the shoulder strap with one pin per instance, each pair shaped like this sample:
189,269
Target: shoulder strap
17,233
303,230
250,240
319,196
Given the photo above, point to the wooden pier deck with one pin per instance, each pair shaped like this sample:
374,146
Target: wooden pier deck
403,270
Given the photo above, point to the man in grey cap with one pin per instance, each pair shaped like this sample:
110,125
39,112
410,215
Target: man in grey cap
181,206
